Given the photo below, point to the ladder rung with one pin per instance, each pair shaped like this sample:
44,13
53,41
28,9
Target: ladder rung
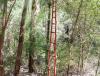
53,42
54,17
53,23
53,26
53,11
52,32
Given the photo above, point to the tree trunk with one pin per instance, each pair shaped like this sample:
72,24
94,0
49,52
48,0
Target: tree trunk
21,39
31,70
2,33
31,51
68,68
1,56
76,20
5,20
47,38
82,63
78,70
32,40
96,72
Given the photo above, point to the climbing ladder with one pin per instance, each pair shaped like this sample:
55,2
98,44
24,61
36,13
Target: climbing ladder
52,46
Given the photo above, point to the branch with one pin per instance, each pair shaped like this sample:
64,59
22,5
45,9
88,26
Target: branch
78,13
10,12
77,17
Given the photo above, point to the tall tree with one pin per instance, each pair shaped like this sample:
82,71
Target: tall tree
2,32
5,20
47,37
21,40
31,61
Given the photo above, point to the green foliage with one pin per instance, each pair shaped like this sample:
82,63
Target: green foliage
86,38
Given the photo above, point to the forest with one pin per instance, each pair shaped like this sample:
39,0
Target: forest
49,37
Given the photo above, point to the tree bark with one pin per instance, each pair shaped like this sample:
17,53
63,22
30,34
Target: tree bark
21,40
31,51
5,20
82,62
96,72
77,18
47,38
32,40
2,33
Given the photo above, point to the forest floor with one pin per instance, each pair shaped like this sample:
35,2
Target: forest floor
89,69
